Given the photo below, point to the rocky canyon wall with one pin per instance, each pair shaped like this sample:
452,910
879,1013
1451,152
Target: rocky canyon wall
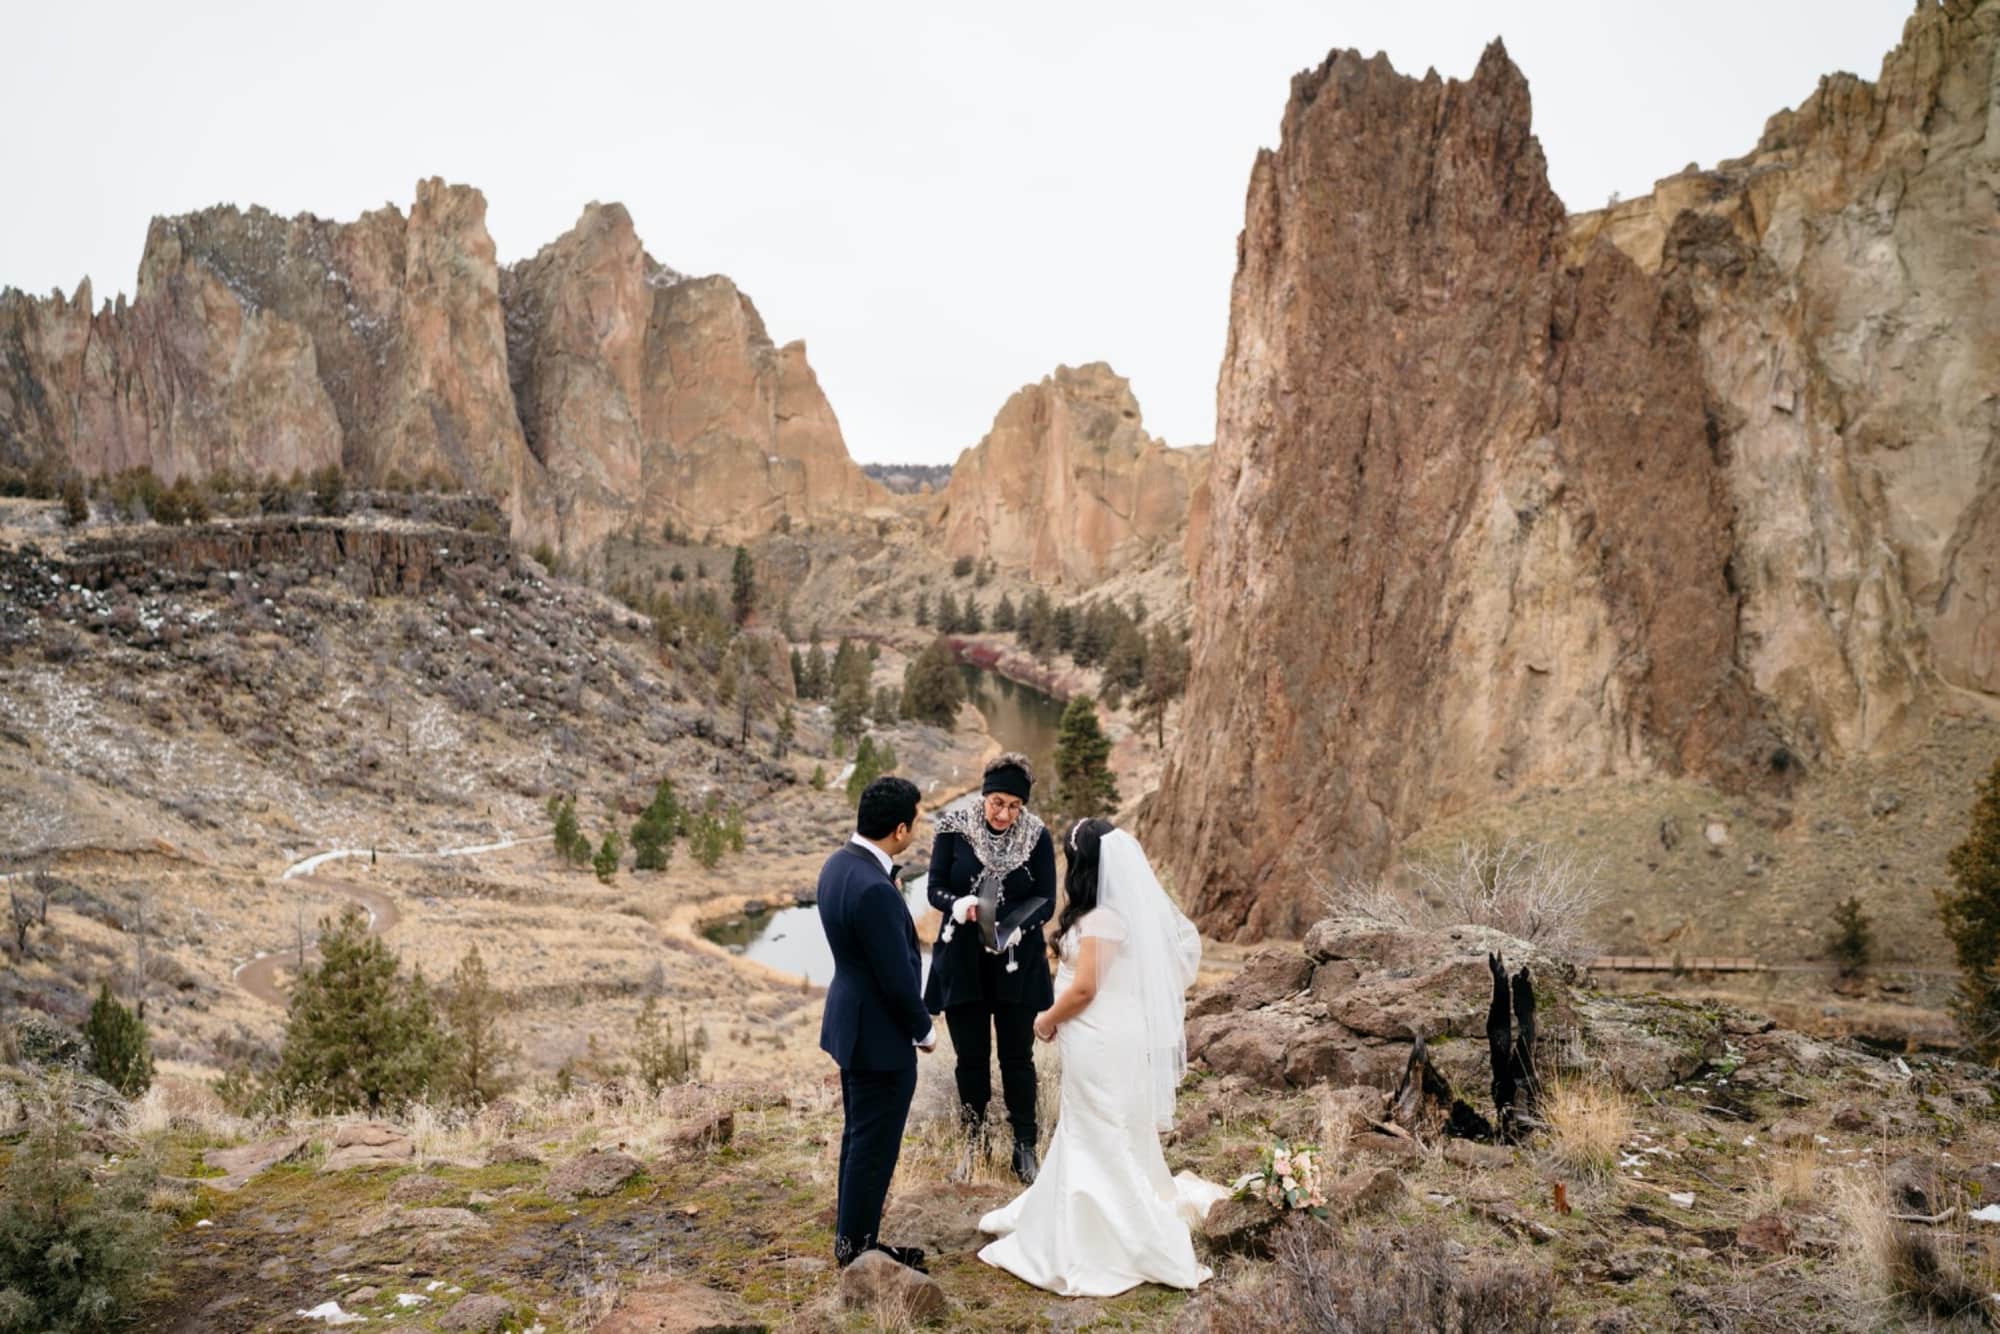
1067,486
590,389
1503,499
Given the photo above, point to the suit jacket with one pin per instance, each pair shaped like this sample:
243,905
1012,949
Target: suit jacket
874,1007
962,972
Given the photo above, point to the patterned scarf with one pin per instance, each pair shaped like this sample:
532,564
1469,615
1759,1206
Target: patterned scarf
1000,853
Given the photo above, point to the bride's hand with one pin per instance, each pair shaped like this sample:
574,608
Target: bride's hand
1045,1028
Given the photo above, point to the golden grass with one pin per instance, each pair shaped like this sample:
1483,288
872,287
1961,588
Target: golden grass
1588,1125
1787,1179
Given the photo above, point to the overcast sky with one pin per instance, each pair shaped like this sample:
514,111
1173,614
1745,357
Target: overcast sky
945,203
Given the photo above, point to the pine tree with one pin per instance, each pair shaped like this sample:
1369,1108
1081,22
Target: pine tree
659,1058
923,610
798,673
480,1053
76,507
1851,946
1165,679
947,613
571,845
1004,619
818,779
725,682
605,861
358,1035
1084,783
850,710
653,832
119,1052
867,768
707,839
817,681
932,687
742,585
972,620
1971,914
788,731
1063,623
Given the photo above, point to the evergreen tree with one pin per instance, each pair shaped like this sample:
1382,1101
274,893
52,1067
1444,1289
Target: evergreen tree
923,611
742,585
850,666
678,573
1971,914
870,763
888,702
1004,619
358,1035
798,673
1063,622
818,779
1125,663
817,682
850,710
77,1243
1084,783
119,1052
1165,679
1851,945
707,838
571,845
653,832
788,732
605,862
725,682
947,613
480,1053
76,507
329,486
972,620
932,687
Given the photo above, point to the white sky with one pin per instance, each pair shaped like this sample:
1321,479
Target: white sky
944,201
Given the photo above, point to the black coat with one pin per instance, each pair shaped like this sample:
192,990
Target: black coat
962,972
874,1011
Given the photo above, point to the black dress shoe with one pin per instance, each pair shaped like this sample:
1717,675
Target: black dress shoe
1026,1165
912,1256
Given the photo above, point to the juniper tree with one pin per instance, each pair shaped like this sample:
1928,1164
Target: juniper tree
653,832
1084,783
1851,946
119,1052
480,1052
605,860
358,1034
788,730
932,687
77,1245
570,843
1004,619
947,613
76,507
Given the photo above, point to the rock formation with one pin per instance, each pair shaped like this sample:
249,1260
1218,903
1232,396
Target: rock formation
1502,499
605,393
1067,486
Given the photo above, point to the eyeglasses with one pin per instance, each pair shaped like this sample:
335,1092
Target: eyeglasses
996,801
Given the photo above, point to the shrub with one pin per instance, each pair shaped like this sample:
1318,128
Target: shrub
119,1052
1535,893
76,1248
1588,1125
653,832
819,778
76,507
660,1057
570,843
1851,945
961,567
358,1034
329,488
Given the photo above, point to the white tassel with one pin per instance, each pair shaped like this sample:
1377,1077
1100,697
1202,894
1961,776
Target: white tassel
949,927
1012,966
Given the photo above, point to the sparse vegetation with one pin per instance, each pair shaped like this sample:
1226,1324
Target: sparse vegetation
480,1054
1588,1123
660,1056
1539,894
1851,946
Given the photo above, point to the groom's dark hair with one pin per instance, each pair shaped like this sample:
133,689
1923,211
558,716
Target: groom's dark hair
886,803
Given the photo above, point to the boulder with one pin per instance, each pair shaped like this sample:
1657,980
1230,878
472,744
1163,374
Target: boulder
673,1307
1240,1226
368,1144
897,1293
477,1313
589,1175
240,1164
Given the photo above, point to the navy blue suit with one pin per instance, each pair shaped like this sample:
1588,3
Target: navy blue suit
874,1018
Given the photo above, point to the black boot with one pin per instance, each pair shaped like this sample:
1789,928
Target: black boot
1026,1165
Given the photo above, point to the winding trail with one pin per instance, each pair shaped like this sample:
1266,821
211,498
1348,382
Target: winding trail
259,976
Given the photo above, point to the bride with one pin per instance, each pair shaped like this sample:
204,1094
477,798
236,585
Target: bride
1104,1215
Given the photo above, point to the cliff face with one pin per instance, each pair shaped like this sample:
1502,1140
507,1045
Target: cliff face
605,392
1497,503
1067,485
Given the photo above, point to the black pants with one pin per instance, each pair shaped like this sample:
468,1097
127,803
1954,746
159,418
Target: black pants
874,1104
973,1028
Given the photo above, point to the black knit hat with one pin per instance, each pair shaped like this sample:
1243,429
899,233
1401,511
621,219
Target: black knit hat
1009,774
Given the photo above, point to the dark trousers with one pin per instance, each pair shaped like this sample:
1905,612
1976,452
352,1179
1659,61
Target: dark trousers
875,1105
973,1028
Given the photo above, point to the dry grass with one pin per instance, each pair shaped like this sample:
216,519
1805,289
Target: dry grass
1588,1125
1538,893
1788,1179
1921,1269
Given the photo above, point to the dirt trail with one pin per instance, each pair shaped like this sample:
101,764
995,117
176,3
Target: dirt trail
259,976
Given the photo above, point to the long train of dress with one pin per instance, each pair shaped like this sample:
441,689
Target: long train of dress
1104,1215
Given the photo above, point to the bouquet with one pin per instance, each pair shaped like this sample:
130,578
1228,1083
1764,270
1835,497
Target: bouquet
1287,1178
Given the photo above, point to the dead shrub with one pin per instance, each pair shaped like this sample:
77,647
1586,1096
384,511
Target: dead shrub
1909,1264
1384,1281
1588,1124
1531,891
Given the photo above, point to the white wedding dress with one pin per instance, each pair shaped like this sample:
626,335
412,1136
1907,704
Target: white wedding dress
1104,1215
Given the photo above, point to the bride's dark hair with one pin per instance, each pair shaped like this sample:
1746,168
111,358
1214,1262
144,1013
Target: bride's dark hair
1080,850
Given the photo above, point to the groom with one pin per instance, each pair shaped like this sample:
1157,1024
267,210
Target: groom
875,1022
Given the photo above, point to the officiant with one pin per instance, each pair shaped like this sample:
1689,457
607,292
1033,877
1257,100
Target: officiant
993,876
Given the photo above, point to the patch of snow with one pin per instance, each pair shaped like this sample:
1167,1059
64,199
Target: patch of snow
1989,1214
331,1313
409,1299
1685,1199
